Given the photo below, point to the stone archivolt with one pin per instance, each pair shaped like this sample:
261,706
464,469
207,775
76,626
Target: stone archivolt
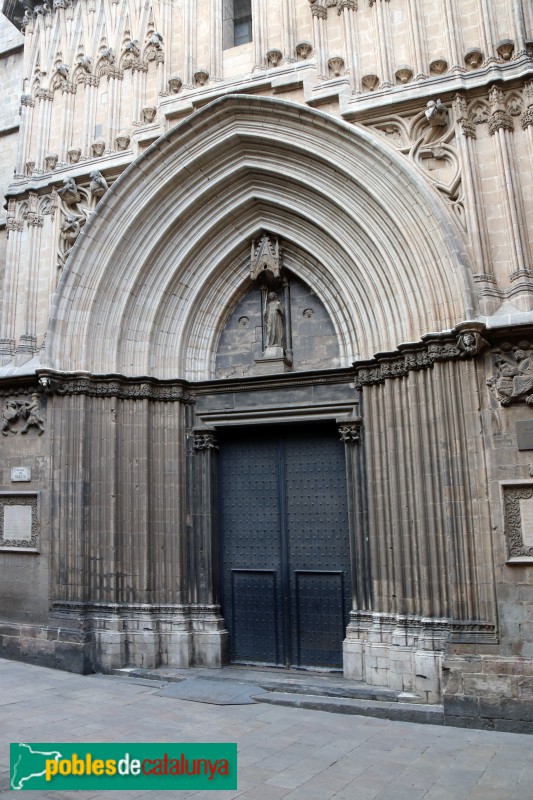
310,213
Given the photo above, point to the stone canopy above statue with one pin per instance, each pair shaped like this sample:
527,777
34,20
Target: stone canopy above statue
266,258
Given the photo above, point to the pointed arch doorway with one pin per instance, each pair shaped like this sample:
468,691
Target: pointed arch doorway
285,552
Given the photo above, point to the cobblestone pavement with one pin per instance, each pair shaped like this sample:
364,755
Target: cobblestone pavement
286,753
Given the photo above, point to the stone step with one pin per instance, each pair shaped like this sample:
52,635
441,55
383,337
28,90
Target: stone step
280,681
405,712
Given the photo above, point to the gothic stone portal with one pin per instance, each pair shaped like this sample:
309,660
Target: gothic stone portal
285,571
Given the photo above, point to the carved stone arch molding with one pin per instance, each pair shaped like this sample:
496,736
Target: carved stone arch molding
159,263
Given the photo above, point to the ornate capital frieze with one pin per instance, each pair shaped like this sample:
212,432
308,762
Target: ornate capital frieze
465,342
119,386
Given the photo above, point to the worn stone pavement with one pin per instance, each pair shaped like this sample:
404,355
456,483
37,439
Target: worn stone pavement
287,753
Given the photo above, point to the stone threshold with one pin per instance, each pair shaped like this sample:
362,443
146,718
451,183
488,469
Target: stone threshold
320,691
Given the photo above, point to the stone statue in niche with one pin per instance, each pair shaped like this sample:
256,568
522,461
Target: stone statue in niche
274,321
513,382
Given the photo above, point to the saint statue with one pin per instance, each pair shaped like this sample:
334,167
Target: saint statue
274,321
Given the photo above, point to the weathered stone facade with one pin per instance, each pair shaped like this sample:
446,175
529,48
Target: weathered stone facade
329,222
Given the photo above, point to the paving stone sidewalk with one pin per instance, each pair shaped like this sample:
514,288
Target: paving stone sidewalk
287,753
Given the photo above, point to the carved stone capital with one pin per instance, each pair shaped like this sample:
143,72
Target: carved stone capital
527,118
34,220
350,431
44,94
348,5
205,440
319,12
500,120
27,100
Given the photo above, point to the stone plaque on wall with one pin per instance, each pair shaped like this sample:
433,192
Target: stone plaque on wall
18,522
20,474
518,505
524,434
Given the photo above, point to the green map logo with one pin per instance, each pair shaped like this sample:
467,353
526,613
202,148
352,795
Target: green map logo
28,762
133,765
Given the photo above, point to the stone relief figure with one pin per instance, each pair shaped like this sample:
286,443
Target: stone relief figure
133,48
10,414
98,185
70,230
513,381
274,321
69,191
436,113
85,62
30,412
155,40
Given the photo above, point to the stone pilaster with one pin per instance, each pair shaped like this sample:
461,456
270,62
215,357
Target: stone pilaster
521,273
465,132
209,633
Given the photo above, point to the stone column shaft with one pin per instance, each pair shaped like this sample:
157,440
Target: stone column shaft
320,14
288,24
347,13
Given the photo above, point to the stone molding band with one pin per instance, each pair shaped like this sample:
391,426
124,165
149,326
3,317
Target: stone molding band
455,628
120,386
465,341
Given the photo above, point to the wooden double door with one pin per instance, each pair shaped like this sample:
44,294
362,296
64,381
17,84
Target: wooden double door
285,554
